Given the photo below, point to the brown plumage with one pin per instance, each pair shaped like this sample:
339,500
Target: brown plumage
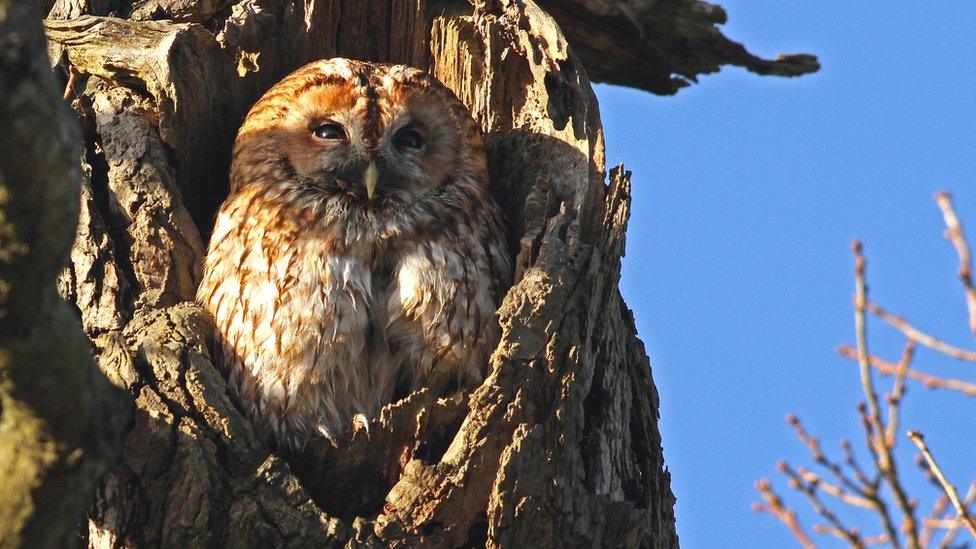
358,252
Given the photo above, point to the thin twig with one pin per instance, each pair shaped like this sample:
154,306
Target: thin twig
886,462
840,534
813,443
938,520
860,329
948,538
924,467
798,483
851,460
869,488
863,493
929,525
855,487
952,532
912,332
838,492
945,523
870,440
928,380
950,490
955,235
774,506
880,539
898,392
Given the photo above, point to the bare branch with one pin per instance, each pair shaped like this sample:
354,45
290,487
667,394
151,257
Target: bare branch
945,523
928,380
774,506
813,443
834,490
798,483
851,460
840,534
880,539
953,530
898,392
950,536
869,438
912,332
929,525
955,235
860,493
860,329
860,487
886,462
927,471
950,490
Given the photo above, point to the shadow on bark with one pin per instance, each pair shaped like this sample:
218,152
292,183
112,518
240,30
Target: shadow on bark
57,411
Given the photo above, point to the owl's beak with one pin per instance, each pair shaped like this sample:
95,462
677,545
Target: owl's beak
370,178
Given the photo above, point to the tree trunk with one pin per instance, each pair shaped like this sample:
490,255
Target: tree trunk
56,416
559,446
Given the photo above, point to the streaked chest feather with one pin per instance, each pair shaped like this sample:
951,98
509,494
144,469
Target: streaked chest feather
321,318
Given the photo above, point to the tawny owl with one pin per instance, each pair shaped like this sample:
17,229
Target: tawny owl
358,253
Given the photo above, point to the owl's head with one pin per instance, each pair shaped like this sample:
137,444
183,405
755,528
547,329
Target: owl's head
369,131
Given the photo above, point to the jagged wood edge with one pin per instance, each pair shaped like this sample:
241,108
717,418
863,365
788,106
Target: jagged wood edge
660,45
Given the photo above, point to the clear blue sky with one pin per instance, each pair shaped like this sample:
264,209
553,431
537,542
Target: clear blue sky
747,193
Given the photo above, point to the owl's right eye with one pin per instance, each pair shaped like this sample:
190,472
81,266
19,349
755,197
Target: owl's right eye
329,130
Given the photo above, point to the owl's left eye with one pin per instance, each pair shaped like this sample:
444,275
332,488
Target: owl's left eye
329,130
408,138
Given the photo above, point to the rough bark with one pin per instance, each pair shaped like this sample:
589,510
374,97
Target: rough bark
56,415
559,446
